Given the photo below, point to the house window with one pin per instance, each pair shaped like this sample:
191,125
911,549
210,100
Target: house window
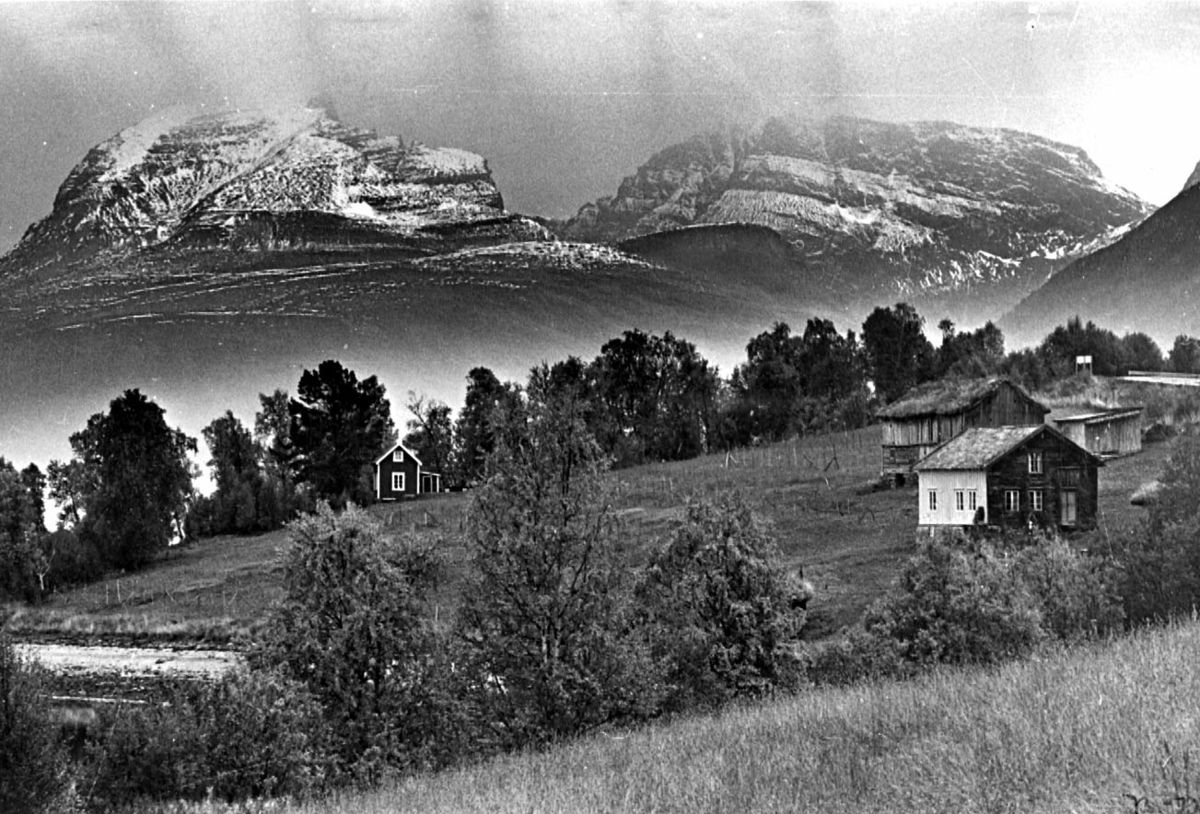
971,501
960,500
1035,463
1012,500
397,481
1068,476
932,500
398,457
1035,499
1067,504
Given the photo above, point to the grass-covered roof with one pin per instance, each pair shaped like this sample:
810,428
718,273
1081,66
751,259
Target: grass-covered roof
946,397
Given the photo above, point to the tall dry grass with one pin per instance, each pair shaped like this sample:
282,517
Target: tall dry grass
1109,728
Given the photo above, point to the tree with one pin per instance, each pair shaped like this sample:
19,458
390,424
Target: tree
546,615
1067,342
1142,352
280,499
338,426
237,504
1185,354
354,627
659,397
474,436
973,354
725,614
898,354
135,480
430,433
22,531
33,766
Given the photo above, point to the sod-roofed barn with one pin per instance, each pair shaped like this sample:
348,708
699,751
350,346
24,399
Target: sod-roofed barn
933,413
1107,433
1009,477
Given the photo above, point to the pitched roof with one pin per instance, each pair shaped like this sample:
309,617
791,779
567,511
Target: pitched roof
947,396
1094,416
393,448
980,447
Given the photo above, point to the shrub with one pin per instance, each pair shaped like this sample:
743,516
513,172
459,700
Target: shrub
33,767
352,626
251,734
1077,594
723,612
958,604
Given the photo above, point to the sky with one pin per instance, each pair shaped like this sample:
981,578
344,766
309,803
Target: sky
566,98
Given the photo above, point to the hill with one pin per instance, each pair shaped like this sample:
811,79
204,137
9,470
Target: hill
1147,281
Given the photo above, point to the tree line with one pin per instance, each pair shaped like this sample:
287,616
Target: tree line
127,492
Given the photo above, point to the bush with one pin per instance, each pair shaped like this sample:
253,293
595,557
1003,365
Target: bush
722,612
33,767
1077,593
353,627
958,604
251,734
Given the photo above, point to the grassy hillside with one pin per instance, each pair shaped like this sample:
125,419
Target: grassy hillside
1084,731
850,541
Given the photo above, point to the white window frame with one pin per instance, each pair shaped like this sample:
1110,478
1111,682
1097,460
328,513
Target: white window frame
397,481
1036,500
960,500
1012,500
397,457
972,500
933,500
1035,462
1073,500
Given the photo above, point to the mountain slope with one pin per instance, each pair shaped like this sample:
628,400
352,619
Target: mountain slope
966,218
1147,281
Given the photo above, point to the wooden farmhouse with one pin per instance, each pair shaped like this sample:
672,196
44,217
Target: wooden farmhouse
400,474
933,413
1107,433
1009,477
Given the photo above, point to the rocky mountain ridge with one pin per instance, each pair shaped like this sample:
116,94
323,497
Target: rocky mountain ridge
924,211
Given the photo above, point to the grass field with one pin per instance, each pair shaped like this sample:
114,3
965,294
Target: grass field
1108,728
815,492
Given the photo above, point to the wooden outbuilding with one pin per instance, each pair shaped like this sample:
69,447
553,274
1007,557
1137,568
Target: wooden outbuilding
1009,477
931,414
1107,433
399,473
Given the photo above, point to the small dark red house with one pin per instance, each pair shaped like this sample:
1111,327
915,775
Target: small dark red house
399,473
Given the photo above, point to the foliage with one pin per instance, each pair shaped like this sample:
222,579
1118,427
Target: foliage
658,397
250,734
474,438
353,627
796,384
22,558
955,605
134,480
338,426
1142,352
1066,342
974,354
281,498
1077,594
33,769
546,617
899,356
724,613
242,502
1185,354
430,433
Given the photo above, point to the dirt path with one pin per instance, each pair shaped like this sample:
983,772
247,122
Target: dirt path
66,659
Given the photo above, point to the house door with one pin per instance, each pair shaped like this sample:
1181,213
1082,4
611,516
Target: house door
1066,502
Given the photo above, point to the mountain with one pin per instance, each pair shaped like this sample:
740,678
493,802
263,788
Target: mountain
1147,281
961,219
208,258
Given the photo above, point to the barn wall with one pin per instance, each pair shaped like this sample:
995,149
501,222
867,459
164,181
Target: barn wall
1064,468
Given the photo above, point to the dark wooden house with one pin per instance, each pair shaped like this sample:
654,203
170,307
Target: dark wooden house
1107,433
933,413
1009,477
399,474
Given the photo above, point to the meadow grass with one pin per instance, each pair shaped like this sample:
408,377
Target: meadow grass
1110,727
